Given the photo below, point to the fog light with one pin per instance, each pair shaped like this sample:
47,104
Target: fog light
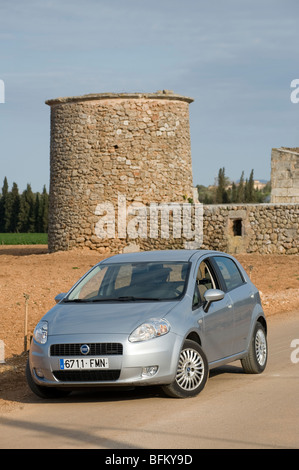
39,373
149,371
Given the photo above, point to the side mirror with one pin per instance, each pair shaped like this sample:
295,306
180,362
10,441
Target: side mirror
212,295
59,297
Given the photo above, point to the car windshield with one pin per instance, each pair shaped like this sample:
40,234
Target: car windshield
132,282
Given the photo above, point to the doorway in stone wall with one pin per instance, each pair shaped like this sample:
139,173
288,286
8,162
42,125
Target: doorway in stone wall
236,233
237,227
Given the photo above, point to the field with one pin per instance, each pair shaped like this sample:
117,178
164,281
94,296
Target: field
23,238
33,272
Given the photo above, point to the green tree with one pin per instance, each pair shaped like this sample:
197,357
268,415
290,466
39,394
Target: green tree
234,192
37,214
27,212
206,195
14,205
3,205
44,207
241,189
221,192
249,193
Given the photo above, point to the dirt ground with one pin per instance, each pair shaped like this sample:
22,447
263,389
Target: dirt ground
32,272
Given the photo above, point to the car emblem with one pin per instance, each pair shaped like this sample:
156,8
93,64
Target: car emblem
84,349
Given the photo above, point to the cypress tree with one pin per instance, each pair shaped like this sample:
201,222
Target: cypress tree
240,189
250,188
27,210
221,193
14,209
3,205
44,203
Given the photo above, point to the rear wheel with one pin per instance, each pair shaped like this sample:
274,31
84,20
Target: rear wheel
256,359
192,372
44,392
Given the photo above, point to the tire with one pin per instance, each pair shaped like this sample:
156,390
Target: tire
256,359
43,392
192,372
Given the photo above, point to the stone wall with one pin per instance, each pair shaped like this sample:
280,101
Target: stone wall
106,145
247,228
285,175
252,228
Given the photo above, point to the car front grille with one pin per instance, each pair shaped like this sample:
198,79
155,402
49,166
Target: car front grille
86,375
96,349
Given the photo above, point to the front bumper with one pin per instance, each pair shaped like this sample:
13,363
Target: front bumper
124,369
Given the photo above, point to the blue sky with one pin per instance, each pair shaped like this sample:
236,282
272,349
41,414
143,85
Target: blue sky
235,58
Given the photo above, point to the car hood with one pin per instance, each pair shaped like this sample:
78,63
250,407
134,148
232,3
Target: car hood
116,317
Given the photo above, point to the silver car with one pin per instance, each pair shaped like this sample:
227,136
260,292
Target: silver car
150,318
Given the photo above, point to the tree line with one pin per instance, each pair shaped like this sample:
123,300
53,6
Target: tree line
225,192
26,212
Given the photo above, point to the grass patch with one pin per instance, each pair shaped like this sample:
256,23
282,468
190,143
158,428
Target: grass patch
23,238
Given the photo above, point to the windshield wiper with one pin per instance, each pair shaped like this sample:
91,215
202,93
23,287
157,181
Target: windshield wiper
127,298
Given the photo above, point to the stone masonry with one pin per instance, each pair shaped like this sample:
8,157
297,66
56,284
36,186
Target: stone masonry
285,175
106,145
252,228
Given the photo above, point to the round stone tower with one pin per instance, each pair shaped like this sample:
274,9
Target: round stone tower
107,145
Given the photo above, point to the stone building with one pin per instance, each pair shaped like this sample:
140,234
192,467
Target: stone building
107,147
118,160
285,175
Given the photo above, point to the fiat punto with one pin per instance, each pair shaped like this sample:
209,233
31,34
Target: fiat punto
150,318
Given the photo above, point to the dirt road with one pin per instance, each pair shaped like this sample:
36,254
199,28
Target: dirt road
235,410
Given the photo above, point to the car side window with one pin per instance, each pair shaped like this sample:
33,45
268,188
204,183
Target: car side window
204,281
230,272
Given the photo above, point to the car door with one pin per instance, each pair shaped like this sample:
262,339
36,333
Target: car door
242,297
217,322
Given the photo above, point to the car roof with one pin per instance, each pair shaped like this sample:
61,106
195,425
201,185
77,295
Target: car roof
159,255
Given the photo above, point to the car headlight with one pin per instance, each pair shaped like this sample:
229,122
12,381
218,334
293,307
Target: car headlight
149,330
40,333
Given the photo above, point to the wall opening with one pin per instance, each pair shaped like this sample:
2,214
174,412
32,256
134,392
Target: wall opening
237,227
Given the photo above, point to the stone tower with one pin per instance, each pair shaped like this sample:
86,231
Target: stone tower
285,175
106,145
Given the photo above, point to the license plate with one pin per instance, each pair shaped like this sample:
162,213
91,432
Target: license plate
84,363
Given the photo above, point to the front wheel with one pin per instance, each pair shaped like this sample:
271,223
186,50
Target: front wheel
256,359
191,374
